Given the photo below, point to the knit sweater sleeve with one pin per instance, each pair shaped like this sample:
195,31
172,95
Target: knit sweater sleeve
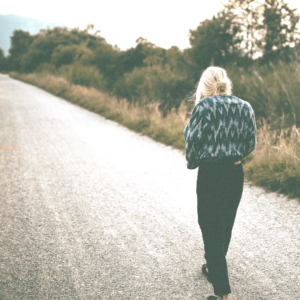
251,137
193,134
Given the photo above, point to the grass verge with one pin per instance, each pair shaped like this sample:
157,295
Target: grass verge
274,165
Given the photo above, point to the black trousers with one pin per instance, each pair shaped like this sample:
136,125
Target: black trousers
219,191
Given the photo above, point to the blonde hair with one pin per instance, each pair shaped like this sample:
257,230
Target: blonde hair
213,81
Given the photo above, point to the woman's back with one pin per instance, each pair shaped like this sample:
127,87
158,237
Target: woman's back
220,126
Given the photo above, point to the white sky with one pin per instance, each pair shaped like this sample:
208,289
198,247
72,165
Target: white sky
165,23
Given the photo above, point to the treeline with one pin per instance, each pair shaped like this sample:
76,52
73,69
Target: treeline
256,41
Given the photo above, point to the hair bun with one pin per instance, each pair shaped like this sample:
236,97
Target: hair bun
221,85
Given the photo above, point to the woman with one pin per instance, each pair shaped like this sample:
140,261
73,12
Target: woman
220,133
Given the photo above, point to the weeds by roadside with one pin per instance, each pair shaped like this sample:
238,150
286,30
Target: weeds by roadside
275,164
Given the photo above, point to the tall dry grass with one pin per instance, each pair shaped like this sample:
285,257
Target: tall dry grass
275,164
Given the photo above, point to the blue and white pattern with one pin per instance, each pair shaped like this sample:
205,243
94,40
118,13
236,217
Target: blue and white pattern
220,126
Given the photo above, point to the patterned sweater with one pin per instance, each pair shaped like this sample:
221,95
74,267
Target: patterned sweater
220,126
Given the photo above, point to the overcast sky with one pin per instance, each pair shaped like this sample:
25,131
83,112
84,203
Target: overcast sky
165,23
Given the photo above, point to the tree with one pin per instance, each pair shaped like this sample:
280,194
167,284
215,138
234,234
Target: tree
213,42
266,27
61,45
20,43
113,64
246,15
131,58
105,59
3,61
280,23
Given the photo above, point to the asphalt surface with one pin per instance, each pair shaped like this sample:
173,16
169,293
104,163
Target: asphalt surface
92,210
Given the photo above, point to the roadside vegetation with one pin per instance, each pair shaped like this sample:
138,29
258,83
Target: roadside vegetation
275,164
150,89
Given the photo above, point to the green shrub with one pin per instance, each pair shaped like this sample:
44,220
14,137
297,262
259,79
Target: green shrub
154,83
65,55
88,76
46,69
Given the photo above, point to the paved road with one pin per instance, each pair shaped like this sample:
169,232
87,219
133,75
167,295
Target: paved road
91,210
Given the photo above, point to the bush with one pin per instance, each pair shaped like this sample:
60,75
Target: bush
65,55
88,76
153,84
46,69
